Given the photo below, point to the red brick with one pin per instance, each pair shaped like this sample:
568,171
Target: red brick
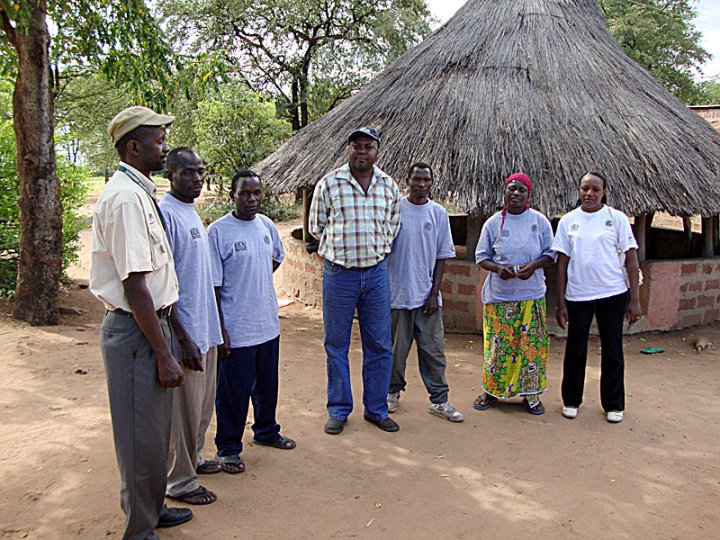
706,301
456,305
712,284
683,288
707,268
688,268
711,315
695,286
458,269
466,290
691,319
687,303
445,287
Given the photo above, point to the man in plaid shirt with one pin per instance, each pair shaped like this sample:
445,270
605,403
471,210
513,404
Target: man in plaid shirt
355,214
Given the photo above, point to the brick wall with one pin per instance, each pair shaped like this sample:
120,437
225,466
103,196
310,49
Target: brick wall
699,292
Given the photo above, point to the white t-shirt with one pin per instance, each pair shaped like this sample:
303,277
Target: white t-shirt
424,238
242,254
590,240
523,238
188,241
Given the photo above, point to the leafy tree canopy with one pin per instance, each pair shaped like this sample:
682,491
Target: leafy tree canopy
661,37
286,45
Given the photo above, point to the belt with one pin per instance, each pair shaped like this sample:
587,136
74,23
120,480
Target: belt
162,313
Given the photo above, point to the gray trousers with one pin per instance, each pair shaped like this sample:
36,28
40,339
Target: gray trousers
190,420
141,410
429,336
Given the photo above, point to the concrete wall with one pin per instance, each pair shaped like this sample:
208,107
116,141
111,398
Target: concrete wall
676,293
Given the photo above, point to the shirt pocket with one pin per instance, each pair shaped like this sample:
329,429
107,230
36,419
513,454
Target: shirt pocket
159,256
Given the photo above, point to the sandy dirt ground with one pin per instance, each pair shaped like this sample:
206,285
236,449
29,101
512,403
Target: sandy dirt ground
501,474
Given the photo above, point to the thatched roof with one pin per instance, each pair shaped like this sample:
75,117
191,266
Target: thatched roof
538,86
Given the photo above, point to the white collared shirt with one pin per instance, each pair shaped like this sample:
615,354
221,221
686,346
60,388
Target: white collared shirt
128,237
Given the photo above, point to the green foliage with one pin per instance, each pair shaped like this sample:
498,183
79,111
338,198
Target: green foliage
661,37
286,46
73,192
235,128
710,92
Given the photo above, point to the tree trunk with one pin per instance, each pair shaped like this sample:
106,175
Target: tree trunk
294,109
40,257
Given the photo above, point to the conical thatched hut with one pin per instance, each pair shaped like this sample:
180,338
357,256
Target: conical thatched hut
538,86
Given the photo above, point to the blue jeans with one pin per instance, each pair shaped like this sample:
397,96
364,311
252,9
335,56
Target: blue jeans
368,291
248,373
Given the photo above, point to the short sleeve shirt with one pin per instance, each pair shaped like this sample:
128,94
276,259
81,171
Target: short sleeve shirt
355,229
520,239
424,237
590,240
188,241
242,254
128,237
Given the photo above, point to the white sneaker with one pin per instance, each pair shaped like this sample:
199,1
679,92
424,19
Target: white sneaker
615,417
569,412
446,411
392,400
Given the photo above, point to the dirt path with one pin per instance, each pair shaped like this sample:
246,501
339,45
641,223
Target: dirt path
500,474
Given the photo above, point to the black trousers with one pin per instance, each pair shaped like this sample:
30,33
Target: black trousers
610,314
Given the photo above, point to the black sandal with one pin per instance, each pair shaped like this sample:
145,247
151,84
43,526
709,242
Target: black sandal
484,402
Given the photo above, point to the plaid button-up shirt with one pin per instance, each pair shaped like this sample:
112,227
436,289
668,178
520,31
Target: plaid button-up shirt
355,229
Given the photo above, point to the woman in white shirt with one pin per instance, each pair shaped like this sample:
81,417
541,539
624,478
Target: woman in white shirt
593,243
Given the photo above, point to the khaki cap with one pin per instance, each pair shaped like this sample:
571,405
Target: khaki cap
134,117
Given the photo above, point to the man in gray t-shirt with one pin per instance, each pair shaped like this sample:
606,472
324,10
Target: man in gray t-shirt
198,334
246,249
416,265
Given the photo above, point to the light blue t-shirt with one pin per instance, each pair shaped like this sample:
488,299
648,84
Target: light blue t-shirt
188,241
524,238
243,252
424,238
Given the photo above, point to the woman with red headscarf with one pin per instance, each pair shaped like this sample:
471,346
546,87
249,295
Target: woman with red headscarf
514,246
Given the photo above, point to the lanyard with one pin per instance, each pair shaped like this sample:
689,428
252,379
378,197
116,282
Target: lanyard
135,179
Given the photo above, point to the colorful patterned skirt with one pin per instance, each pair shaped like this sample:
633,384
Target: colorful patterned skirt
516,348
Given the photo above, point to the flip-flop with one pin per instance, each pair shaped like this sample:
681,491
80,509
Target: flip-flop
208,466
231,464
484,402
537,409
282,442
198,496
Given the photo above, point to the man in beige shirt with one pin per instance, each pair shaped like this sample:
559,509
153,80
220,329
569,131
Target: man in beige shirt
133,275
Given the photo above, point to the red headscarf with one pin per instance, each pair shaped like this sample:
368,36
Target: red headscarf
523,179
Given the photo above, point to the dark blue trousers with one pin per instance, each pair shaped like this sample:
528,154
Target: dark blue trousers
248,373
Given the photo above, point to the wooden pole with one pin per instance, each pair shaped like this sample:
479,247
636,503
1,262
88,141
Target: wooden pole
641,236
708,240
307,199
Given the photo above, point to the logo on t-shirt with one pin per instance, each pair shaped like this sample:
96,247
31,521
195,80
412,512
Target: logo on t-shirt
533,227
427,226
240,246
575,227
266,239
151,218
195,233
608,223
505,233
